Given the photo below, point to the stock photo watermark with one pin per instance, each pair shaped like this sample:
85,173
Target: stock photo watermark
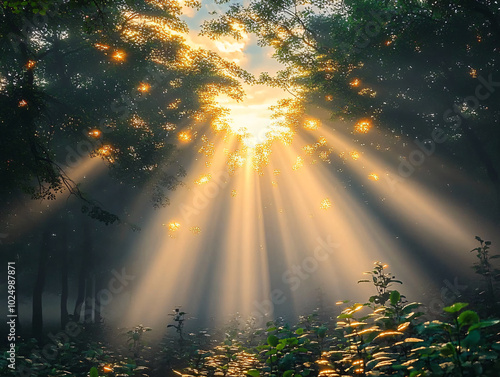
293,277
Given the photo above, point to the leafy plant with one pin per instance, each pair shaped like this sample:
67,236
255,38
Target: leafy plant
135,338
484,266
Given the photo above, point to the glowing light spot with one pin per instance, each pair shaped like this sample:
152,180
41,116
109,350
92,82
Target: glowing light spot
355,83
473,73
321,142
354,155
233,193
184,136
311,124
235,161
173,226
298,164
144,87
363,126
105,150
329,98
220,125
22,103
308,149
367,92
274,183
277,172
325,155
195,230
208,148
30,64
373,177
169,127
101,46
325,204
174,105
107,369
236,26
95,133
118,55
203,179
387,43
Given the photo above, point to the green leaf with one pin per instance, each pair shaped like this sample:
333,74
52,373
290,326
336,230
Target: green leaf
395,297
409,307
456,307
468,317
288,373
322,332
480,325
94,372
253,373
299,331
272,340
472,339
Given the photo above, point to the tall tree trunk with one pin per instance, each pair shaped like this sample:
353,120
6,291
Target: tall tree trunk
98,308
84,260
37,321
64,275
89,300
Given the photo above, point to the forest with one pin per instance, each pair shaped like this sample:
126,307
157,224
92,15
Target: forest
282,188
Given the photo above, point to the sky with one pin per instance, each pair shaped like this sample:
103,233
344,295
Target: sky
254,113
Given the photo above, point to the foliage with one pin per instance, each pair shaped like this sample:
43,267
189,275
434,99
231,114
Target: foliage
113,80
415,69
135,338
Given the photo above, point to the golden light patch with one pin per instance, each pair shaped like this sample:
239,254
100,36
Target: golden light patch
308,150
203,179
174,105
325,204
298,163
184,136
30,64
325,155
373,177
101,46
321,142
311,124
354,155
144,87
355,83
173,226
363,126
95,133
169,127
195,230
105,150
233,193
119,55
235,161
277,172
22,103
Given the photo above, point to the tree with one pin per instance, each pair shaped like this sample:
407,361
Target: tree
108,79
409,67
